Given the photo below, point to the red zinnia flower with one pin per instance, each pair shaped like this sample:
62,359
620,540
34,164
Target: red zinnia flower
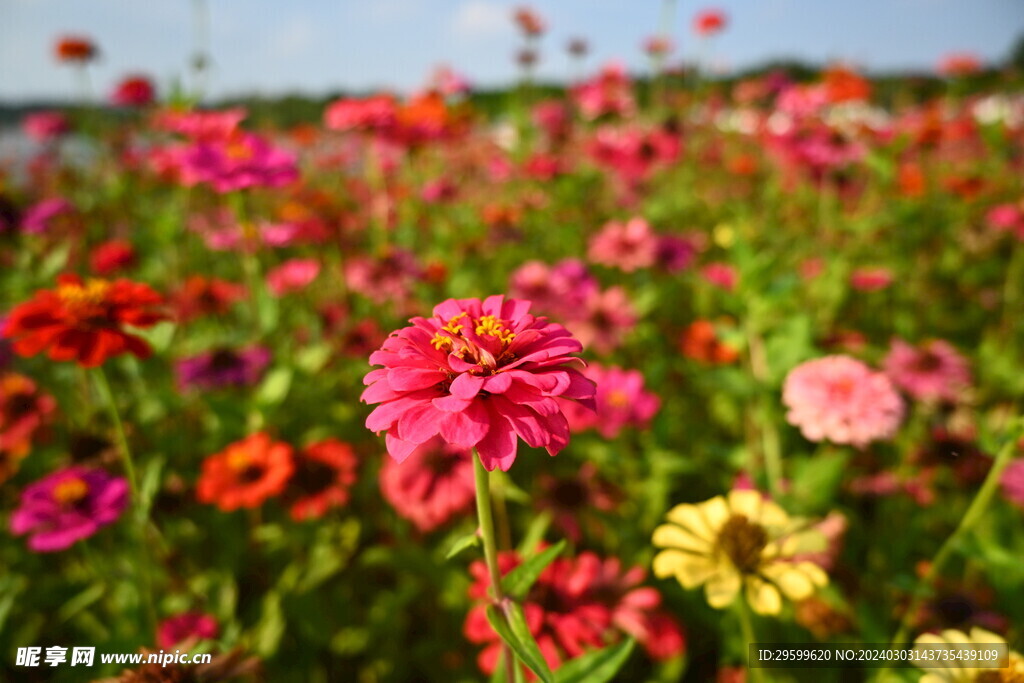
709,22
324,472
75,49
479,374
112,256
83,321
246,473
578,605
134,91
433,485
201,296
24,411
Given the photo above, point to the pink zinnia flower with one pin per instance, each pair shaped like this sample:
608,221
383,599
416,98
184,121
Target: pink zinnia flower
433,485
871,279
39,217
721,275
185,626
68,505
933,371
292,275
1007,218
605,321
621,401
841,399
479,374
1012,482
236,162
44,126
628,246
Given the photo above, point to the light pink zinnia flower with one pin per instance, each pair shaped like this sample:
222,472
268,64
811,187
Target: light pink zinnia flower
628,246
292,275
933,371
433,485
841,399
479,374
621,401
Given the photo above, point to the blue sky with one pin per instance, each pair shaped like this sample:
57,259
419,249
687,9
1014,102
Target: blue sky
316,46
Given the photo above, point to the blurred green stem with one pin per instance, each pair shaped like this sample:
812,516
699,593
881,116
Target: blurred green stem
137,505
971,517
747,626
770,444
483,511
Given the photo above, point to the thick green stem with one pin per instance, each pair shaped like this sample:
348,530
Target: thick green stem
138,509
971,517
771,447
483,511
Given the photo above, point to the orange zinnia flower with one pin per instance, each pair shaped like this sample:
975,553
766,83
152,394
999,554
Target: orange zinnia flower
245,473
701,343
83,321
75,49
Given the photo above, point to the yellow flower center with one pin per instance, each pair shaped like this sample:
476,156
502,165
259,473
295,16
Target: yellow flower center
742,541
84,301
70,491
618,399
486,326
238,459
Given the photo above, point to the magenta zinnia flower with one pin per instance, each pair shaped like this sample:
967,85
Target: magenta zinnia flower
933,371
185,626
479,374
67,506
841,399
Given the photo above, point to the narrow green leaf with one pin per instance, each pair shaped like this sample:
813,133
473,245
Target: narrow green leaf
467,541
512,628
595,667
519,581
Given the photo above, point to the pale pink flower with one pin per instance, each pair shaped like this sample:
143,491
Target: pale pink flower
842,400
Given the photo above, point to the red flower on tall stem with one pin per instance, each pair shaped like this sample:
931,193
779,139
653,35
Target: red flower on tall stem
75,49
480,374
84,321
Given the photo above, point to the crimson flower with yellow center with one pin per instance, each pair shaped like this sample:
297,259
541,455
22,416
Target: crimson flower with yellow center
480,374
84,321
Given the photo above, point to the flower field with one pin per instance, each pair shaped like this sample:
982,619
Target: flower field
601,383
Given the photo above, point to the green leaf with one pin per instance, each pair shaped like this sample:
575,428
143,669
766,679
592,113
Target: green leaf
268,631
81,601
817,479
150,483
519,581
275,387
535,533
512,628
467,541
595,667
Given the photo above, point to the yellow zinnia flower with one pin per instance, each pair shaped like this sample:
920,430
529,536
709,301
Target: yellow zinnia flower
739,541
952,672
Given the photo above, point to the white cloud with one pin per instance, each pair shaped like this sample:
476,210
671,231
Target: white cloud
481,19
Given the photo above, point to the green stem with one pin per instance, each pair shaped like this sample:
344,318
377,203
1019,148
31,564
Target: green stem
139,511
971,517
770,444
747,626
483,511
